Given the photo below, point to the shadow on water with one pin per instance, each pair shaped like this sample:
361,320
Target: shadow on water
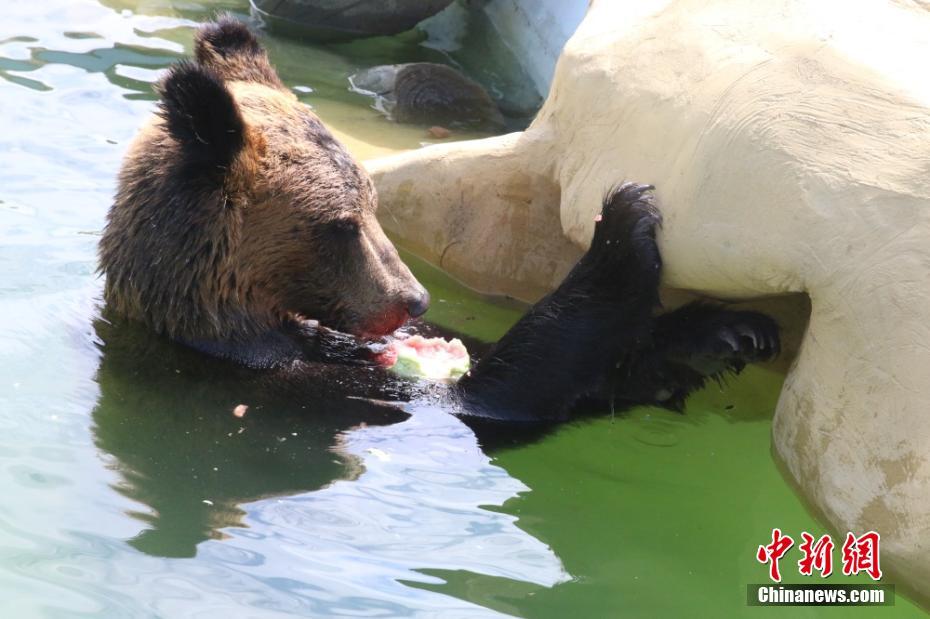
166,415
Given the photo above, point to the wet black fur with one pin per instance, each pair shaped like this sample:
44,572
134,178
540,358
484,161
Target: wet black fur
596,340
228,36
201,114
230,48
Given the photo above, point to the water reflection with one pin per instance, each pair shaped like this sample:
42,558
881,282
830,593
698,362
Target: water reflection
351,491
166,414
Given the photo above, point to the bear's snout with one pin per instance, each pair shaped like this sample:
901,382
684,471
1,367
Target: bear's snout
385,293
410,305
418,303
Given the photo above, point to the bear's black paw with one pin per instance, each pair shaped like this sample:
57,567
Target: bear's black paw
722,340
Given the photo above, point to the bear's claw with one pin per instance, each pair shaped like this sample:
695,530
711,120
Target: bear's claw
730,340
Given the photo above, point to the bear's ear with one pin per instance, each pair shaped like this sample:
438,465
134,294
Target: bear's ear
227,36
228,48
201,114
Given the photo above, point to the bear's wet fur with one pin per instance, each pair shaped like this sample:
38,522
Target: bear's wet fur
243,229
596,342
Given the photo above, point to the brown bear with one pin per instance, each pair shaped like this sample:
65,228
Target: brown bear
239,215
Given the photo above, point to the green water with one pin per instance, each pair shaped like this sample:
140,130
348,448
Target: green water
132,491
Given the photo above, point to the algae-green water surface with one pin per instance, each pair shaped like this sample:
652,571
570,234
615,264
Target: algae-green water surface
131,490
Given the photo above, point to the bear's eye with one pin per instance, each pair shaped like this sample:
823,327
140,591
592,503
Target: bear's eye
344,227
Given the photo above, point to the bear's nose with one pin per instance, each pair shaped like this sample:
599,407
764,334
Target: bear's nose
418,304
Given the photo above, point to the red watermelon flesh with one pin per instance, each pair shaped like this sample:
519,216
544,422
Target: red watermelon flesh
433,357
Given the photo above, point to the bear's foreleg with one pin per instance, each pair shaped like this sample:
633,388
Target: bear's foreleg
566,346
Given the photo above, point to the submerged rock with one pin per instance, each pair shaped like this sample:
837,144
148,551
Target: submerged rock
332,20
429,94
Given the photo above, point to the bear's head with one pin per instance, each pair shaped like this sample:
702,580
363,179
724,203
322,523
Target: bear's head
238,211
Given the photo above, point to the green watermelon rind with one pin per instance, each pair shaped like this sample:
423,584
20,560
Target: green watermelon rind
411,365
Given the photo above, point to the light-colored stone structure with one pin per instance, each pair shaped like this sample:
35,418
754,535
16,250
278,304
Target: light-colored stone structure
790,144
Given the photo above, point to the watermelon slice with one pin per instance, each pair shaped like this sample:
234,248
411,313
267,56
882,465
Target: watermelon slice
434,358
